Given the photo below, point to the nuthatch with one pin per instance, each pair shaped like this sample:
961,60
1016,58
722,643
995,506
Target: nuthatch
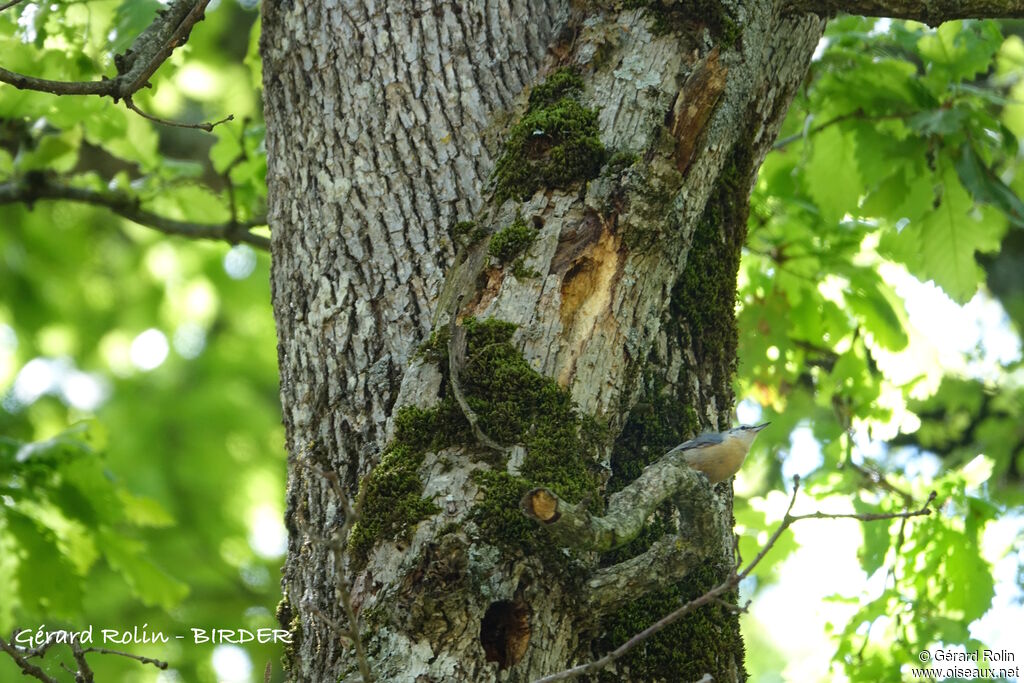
718,454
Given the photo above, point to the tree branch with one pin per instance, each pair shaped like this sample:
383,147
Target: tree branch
158,663
665,563
729,584
135,66
83,671
628,509
931,12
27,667
41,187
206,125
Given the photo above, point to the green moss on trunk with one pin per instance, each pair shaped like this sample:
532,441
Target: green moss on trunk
555,144
704,297
701,318
514,405
680,15
687,649
509,245
517,405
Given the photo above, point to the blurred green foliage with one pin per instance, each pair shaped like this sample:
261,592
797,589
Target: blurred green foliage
900,156
141,452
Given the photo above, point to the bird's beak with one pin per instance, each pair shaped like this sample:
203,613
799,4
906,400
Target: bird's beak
760,427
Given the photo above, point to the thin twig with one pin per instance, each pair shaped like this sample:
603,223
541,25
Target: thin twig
226,174
456,362
207,126
729,584
150,49
23,82
158,663
27,667
731,607
337,544
40,187
84,673
8,5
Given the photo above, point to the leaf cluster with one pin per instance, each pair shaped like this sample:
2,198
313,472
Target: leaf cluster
899,157
62,513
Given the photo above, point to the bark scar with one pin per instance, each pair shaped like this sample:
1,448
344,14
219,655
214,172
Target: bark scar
694,105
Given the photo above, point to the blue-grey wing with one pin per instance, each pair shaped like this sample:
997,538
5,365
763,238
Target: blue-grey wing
701,441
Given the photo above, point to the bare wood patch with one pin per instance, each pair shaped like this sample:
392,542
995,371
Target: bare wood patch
694,104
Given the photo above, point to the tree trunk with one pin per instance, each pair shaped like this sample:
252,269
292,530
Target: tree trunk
614,264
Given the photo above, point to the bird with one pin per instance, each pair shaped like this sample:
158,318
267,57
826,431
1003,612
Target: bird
718,455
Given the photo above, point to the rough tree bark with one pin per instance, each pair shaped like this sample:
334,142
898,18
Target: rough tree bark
614,261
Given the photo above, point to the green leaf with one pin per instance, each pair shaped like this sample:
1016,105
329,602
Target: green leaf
95,488
833,180
965,569
876,541
944,121
961,50
47,580
908,193
227,147
191,202
875,305
142,511
884,148
986,186
149,582
252,55
57,152
941,246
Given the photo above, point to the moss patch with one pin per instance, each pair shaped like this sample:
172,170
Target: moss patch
515,405
393,501
561,83
291,622
509,243
518,405
681,15
554,144
706,641
704,297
